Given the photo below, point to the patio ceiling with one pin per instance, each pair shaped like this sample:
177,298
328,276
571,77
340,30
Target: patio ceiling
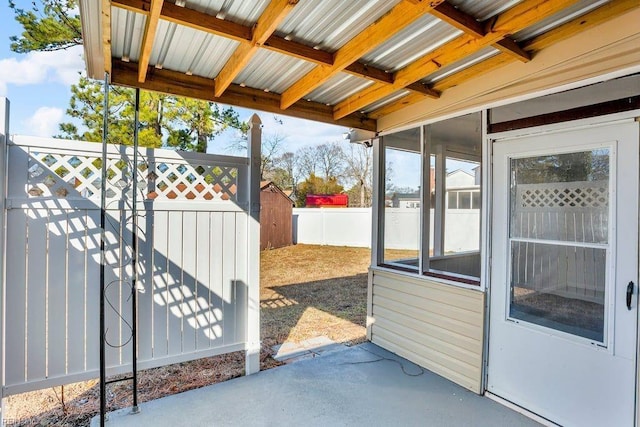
334,61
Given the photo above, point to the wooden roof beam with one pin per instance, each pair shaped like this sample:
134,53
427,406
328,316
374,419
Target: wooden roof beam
597,16
384,28
298,50
423,89
460,20
566,30
274,13
190,18
444,84
150,28
106,35
509,22
181,84
511,48
469,25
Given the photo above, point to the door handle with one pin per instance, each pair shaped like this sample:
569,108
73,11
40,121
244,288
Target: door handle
629,294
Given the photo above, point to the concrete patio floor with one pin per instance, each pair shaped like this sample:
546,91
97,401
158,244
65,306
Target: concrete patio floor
358,386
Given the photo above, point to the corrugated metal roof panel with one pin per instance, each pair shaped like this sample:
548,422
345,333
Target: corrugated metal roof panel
199,53
578,9
417,39
386,100
338,88
162,44
457,66
211,56
329,24
484,9
289,70
126,34
239,11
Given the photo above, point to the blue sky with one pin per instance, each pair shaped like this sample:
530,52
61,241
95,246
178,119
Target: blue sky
38,87
37,84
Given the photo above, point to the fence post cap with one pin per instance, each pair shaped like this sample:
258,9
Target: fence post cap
255,120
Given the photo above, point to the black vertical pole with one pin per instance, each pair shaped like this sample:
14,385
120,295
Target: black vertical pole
134,256
103,196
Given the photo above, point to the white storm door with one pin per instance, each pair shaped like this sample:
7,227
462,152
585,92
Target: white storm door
562,337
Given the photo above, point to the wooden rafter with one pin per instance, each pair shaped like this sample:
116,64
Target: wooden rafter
298,50
460,20
444,84
150,28
204,22
106,35
212,25
423,89
384,28
513,49
190,18
602,14
180,84
566,30
275,12
509,22
469,25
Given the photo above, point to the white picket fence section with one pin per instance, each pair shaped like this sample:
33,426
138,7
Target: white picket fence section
352,227
197,255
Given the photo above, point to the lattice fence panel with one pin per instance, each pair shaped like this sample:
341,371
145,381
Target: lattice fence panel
180,181
59,174
563,196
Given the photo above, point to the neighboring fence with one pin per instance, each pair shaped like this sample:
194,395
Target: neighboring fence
332,226
352,227
197,254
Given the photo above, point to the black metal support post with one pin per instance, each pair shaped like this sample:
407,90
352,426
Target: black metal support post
103,220
134,257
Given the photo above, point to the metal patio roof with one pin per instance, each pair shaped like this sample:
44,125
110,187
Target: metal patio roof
336,61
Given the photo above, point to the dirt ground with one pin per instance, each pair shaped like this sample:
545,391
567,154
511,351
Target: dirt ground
306,291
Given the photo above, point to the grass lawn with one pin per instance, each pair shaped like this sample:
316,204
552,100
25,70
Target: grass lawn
306,291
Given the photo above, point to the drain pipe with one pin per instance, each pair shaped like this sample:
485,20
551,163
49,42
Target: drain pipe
103,220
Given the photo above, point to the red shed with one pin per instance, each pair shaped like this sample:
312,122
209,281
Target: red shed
327,201
276,220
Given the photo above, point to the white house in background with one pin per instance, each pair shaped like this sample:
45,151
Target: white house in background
405,200
462,190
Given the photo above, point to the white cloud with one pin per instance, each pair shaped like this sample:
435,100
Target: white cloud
44,122
41,67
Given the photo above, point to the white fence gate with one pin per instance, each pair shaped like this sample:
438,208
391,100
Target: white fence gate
198,249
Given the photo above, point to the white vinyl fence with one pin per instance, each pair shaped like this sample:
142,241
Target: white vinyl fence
559,236
352,227
197,256
332,226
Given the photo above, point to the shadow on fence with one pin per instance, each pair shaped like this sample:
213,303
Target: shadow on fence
193,264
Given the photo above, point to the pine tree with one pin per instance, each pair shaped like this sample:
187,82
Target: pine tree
165,120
